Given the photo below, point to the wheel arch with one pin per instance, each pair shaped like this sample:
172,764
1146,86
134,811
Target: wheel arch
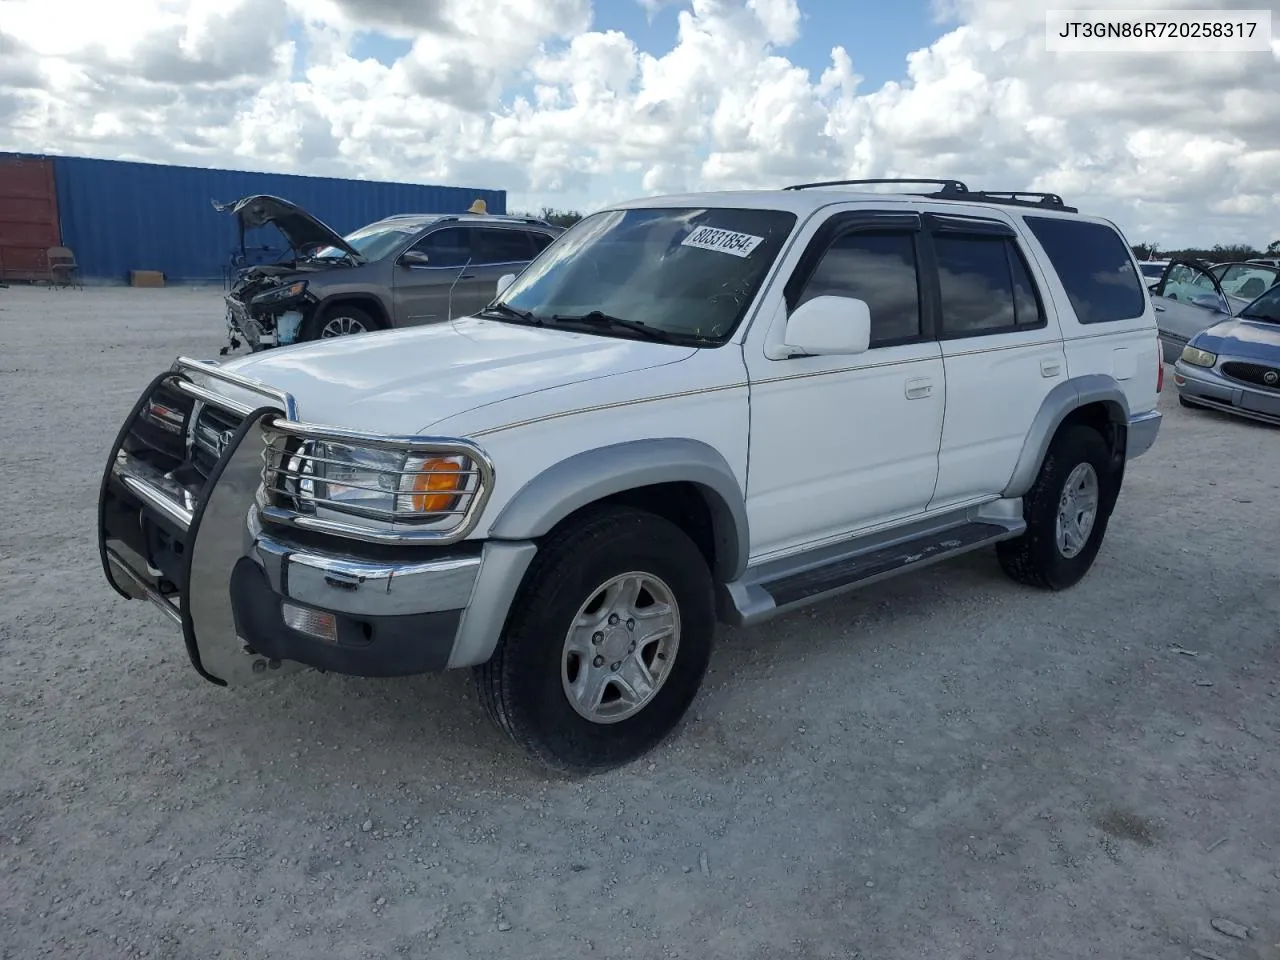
686,481
367,302
1096,400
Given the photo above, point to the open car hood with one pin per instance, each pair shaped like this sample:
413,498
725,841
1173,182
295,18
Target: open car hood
299,228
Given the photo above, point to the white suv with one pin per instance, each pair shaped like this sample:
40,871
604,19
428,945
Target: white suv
687,409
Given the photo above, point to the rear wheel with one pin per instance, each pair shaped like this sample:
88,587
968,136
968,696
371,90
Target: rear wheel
607,642
1066,510
338,321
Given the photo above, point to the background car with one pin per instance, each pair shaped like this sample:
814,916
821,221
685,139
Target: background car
1234,365
1192,296
1152,271
400,271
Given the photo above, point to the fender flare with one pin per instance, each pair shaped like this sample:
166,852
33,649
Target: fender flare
1057,406
592,475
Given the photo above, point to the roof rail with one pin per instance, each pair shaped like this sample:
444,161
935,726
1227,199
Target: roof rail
958,190
1014,198
954,185
500,217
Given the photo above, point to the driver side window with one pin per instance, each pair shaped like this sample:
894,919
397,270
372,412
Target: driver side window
878,267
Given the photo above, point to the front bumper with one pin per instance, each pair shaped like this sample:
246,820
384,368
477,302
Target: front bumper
1209,387
256,599
382,618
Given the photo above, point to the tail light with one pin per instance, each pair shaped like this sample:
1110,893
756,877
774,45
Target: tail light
1159,366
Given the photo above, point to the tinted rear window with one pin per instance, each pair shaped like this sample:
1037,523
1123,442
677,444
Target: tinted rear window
1095,267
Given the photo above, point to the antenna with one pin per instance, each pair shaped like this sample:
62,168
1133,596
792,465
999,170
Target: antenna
454,284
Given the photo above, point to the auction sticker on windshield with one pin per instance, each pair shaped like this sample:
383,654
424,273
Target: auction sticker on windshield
725,241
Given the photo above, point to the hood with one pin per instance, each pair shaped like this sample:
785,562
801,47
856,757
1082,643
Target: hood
1247,339
299,228
403,381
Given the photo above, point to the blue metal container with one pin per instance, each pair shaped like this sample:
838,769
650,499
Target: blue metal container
120,216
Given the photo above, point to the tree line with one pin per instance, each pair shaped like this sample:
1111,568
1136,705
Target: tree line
559,218
1219,253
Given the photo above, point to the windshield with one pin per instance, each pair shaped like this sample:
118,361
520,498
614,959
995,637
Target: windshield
374,241
687,272
1266,307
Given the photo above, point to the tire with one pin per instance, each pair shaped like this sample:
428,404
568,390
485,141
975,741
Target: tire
525,686
1038,557
321,326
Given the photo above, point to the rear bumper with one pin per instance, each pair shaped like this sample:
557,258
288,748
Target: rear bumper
1143,430
1208,388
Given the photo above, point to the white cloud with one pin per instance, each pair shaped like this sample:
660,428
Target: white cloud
1177,148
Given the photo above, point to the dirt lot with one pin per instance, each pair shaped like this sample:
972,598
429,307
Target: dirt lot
947,767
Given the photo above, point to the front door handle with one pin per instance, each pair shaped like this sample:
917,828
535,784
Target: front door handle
467,276
919,388
1050,368
1159,309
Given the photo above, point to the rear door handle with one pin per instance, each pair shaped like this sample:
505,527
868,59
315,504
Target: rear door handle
919,388
1050,368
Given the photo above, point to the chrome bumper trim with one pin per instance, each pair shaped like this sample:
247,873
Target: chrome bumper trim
342,584
1143,429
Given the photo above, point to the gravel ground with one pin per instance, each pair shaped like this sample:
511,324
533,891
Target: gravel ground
949,766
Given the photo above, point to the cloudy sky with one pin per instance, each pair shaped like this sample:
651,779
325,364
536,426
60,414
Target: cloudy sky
576,103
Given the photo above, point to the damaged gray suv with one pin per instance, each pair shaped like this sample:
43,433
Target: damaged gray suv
400,271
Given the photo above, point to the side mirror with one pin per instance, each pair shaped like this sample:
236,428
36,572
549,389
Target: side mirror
829,325
504,281
414,258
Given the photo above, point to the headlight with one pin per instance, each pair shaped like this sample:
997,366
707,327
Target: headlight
1197,357
281,294
378,484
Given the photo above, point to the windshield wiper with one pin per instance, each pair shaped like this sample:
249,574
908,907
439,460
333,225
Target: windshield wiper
603,319
524,316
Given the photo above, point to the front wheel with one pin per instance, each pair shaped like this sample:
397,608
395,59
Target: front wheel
1066,510
607,643
339,321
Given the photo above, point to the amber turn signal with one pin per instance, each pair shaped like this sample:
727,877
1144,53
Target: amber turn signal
437,484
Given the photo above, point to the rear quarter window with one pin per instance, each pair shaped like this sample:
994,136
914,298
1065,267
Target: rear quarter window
1095,267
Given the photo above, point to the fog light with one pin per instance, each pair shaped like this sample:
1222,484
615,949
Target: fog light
316,623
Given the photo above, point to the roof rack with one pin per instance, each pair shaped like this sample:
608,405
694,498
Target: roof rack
504,217
958,190
955,185
442,217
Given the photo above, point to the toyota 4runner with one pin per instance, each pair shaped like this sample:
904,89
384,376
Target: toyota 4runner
686,410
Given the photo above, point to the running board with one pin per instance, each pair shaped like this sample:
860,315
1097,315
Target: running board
784,585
